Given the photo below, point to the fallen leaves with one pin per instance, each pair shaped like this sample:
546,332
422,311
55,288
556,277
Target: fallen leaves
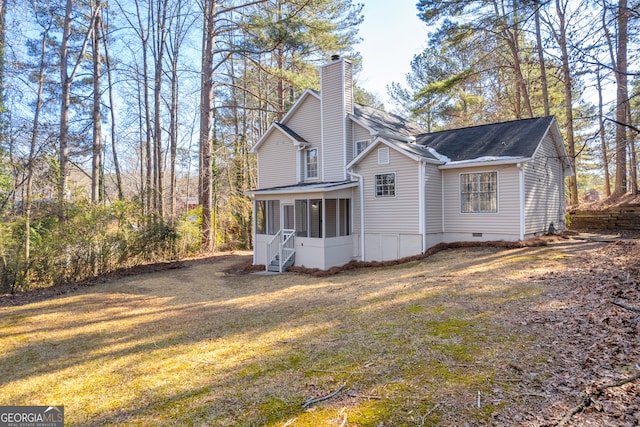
594,379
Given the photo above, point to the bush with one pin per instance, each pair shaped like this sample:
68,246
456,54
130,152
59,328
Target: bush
92,240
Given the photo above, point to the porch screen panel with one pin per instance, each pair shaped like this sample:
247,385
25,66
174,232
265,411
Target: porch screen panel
345,217
331,217
261,217
288,220
273,216
301,218
315,218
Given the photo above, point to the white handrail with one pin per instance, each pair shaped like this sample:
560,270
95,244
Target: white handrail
287,249
271,251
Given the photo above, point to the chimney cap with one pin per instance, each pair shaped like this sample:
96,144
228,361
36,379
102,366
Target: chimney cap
335,57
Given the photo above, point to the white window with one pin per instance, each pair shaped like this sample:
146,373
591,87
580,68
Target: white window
311,163
386,185
479,192
359,147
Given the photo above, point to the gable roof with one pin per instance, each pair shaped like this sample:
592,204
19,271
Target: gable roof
514,139
385,124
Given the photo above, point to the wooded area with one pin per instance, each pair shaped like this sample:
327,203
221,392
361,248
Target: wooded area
126,124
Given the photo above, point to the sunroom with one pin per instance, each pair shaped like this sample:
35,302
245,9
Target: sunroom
307,225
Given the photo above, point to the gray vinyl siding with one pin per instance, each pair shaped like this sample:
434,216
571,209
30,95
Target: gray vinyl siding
504,224
306,121
333,159
277,161
393,215
433,199
358,133
544,189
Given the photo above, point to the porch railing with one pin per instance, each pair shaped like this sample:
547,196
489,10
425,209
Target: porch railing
280,249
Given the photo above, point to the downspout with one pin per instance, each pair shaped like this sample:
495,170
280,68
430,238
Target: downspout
521,179
421,207
442,199
361,179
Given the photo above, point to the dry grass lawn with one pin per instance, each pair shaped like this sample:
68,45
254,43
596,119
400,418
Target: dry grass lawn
431,342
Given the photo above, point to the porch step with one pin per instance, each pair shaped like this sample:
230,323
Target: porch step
275,264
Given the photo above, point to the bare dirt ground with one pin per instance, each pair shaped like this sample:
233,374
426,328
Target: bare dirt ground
576,305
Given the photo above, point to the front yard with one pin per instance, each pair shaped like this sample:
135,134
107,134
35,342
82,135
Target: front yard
475,336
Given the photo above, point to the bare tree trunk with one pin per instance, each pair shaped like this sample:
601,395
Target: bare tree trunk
65,98
32,155
541,60
160,34
511,37
96,190
622,102
143,162
116,163
560,35
145,149
633,165
206,122
173,135
65,101
603,140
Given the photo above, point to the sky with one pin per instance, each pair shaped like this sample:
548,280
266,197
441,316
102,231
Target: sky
391,35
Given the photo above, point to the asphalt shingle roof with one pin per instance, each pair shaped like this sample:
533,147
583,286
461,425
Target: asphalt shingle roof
518,138
384,122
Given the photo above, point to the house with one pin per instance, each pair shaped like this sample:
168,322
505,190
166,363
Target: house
338,181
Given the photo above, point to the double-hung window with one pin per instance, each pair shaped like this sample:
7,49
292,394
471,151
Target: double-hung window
386,185
479,192
311,163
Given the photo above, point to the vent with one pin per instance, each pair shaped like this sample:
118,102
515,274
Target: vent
383,156
476,234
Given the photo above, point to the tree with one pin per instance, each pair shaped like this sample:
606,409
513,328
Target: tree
68,71
112,112
96,164
499,20
209,10
622,99
559,32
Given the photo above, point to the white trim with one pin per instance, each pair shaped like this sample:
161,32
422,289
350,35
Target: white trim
442,198
388,144
520,167
343,116
321,119
320,187
421,206
485,161
362,238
